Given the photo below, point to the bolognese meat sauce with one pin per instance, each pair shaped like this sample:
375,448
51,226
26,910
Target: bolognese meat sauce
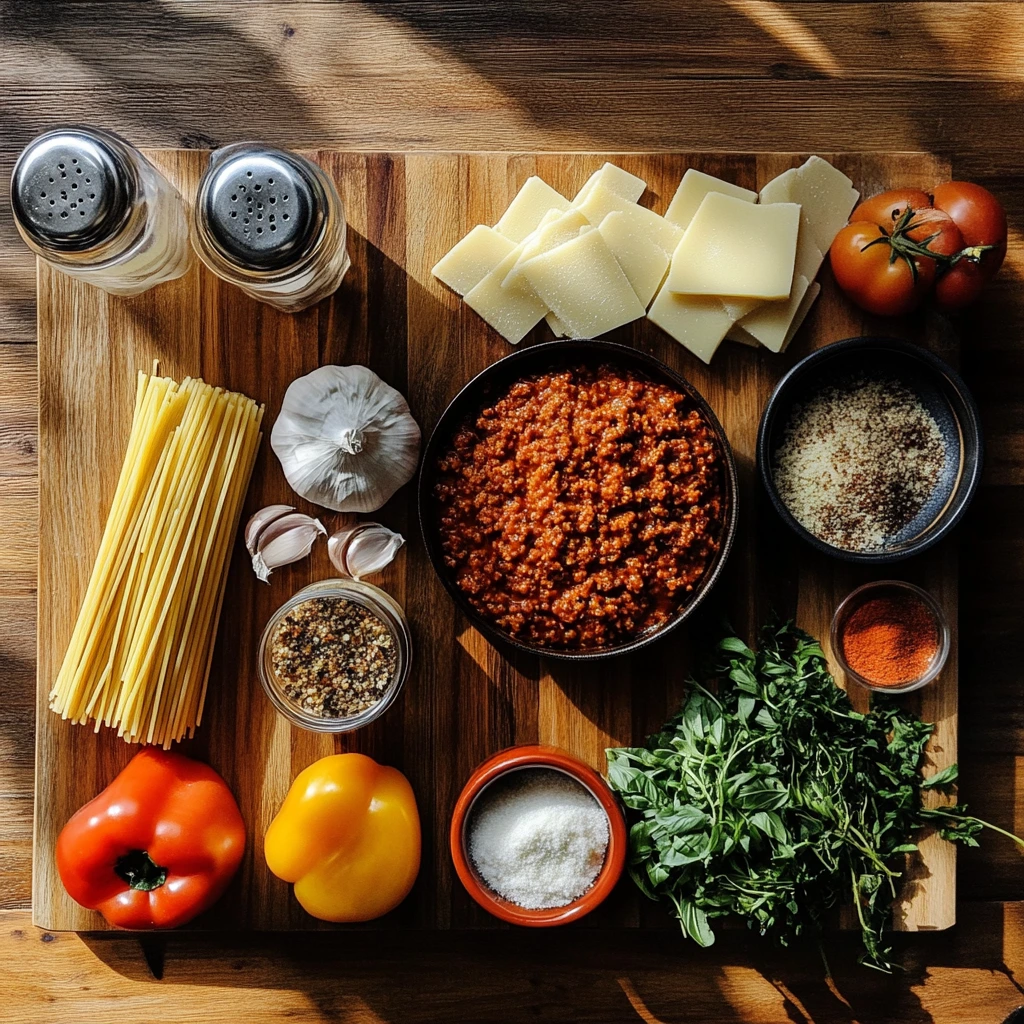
581,508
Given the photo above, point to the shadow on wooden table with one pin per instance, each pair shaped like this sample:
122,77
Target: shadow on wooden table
574,974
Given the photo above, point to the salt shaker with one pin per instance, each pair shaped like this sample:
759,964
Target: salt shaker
271,222
94,207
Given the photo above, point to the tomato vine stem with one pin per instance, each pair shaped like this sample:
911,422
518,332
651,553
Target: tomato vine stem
902,246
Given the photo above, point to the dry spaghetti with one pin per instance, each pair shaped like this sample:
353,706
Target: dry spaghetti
139,656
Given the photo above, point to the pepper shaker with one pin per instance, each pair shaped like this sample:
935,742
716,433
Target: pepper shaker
95,208
271,222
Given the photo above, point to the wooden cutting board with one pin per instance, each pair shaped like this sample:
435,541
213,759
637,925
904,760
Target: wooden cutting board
464,700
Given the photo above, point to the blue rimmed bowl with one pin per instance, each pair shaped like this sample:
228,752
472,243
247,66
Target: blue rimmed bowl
938,388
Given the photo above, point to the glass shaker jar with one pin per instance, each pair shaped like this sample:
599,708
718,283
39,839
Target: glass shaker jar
94,207
272,223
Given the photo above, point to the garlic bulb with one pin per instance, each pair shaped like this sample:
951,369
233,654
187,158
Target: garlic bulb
361,549
345,439
277,536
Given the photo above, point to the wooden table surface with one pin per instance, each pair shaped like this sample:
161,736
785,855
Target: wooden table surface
592,75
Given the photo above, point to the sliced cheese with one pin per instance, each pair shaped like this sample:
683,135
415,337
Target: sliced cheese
616,180
769,323
779,189
737,308
697,322
514,311
826,197
584,286
735,248
556,325
586,187
643,261
736,333
768,319
525,212
691,192
468,262
784,189
809,257
556,227
812,293
602,201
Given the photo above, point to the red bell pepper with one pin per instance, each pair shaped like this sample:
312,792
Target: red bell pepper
157,847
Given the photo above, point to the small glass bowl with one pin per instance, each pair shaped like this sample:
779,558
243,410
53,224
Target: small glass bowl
879,589
374,600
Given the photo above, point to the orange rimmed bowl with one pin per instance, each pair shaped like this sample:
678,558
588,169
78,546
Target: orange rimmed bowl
498,767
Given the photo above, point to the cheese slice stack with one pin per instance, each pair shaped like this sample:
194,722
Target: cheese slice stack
826,198
722,262
698,322
757,255
586,266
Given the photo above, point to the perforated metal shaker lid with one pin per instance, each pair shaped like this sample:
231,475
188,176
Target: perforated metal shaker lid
264,207
73,188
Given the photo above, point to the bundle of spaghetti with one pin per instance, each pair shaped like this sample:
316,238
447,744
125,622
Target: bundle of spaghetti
140,653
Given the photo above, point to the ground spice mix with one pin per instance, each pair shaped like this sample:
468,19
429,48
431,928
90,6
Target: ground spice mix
891,640
334,657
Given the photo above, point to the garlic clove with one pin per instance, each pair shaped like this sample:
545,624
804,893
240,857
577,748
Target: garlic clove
372,550
338,541
284,541
259,521
362,549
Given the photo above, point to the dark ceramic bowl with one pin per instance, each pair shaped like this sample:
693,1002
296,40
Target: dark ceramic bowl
495,380
939,389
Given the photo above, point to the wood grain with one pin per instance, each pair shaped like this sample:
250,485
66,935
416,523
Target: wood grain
464,699
19,404
400,82
969,975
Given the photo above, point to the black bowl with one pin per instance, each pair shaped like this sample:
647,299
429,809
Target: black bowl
539,359
942,393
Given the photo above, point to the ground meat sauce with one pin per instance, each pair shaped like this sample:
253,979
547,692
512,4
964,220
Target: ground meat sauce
581,507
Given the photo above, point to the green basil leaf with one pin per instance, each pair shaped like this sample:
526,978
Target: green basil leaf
695,922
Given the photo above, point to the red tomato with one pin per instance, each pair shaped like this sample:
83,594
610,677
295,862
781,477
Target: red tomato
901,243
959,286
979,216
863,266
887,207
881,259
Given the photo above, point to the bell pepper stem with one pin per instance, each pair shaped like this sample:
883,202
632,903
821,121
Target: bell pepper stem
140,871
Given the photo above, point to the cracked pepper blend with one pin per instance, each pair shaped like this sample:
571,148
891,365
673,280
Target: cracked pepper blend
335,658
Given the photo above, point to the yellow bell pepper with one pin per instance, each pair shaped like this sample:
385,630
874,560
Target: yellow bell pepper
348,837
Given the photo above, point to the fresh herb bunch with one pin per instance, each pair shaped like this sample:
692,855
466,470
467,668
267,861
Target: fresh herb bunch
774,800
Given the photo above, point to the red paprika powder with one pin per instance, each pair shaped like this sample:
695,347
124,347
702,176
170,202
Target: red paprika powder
891,640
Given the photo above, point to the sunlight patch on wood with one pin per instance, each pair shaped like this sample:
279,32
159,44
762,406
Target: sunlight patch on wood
637,1003
477,648
787,29
756,999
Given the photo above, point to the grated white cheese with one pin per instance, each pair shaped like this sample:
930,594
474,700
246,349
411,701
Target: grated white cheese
858,462
538,839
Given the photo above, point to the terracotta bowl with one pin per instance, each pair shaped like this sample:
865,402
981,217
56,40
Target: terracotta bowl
497,767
